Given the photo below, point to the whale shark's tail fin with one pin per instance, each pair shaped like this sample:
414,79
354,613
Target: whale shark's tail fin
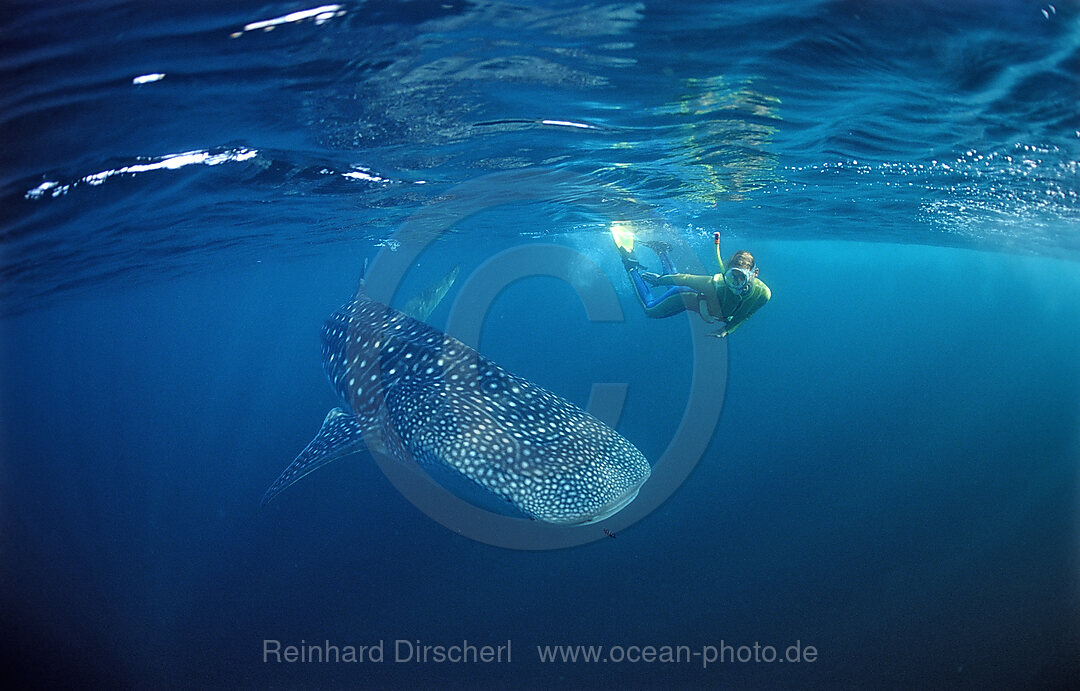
338,437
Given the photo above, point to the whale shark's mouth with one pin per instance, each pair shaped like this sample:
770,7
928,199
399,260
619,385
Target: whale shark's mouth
611,509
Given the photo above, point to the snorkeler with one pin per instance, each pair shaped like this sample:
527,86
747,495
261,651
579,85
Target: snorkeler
728,298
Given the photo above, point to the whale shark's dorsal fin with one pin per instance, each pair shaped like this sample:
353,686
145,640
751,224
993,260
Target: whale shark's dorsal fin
361,282
339,436
421,306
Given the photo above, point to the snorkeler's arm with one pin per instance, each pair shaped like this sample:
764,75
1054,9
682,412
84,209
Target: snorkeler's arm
760,297
698,283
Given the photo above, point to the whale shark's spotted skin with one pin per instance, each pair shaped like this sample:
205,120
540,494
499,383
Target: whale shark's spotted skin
415,392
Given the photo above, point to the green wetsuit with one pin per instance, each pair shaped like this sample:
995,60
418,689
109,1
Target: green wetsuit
722,304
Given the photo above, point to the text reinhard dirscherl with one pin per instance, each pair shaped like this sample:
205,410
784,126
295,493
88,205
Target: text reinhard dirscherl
401,650
414,651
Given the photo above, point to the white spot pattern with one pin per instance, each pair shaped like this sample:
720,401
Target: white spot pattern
484,425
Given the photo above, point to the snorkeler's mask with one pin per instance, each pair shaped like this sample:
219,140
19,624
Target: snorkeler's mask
738,279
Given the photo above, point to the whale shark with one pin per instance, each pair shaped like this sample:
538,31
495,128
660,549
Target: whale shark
414,393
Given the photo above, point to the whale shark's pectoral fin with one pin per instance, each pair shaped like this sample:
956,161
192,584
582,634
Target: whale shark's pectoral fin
338,437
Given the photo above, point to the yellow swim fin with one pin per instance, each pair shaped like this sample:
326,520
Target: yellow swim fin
623,236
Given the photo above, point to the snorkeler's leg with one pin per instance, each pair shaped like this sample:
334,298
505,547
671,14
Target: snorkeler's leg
675,300
672,301
665,261
641,288
662,250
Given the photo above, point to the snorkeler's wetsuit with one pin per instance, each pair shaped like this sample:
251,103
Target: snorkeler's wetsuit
688,291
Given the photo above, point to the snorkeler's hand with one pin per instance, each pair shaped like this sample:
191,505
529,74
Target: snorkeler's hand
650,278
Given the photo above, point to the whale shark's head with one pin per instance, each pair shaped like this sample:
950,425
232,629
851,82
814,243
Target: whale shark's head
586,485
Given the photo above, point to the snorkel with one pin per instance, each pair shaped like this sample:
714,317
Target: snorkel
738,279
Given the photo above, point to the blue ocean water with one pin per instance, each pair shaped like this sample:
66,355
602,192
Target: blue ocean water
189,190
